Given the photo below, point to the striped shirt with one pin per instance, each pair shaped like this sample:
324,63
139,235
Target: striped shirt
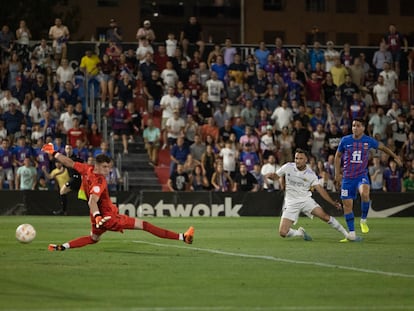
355,155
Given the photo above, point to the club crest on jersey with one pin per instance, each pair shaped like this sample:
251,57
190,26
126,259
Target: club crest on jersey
96,189
366,146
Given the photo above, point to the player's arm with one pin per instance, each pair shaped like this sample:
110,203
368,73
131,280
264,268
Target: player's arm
391,153
93,204
49,149
338,156
325,195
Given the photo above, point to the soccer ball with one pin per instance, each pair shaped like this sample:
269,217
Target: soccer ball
25,233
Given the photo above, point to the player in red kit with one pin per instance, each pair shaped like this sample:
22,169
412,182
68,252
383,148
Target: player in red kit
104,214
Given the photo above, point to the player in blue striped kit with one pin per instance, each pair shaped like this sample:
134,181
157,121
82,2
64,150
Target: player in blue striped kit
353,153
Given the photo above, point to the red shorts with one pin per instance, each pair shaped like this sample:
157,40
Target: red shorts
117,222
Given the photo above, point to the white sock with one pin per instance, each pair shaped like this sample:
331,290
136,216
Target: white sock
337,226
66,245
181,237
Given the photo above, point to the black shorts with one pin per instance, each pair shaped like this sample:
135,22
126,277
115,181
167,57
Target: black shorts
122,132
75,182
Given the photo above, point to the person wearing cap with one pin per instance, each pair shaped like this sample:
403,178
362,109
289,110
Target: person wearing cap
145,32
114,33
408,183
330,55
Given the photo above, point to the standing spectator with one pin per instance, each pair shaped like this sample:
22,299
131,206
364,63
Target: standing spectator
106,80
393,178
381,94
330,55
151,136
228,52
400,130
302,136
381,56
395,41
220,68
168,103
357,73
314,91
376,174
229,158
261,54
175,128
390,77
198,147
13,118
114,33
346,56
316,55
154,90
42,52
169,75
59,33
191,36
282,116
26,176
145,32
125,89
75,133
244,180
215,88
280,53
89,66
338,72
64,73
67,118
61,176
120,123
23,36
6,43
178,154
6,164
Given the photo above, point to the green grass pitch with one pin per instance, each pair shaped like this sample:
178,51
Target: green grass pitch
234,264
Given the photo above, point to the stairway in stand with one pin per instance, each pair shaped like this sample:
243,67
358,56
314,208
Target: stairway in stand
136,163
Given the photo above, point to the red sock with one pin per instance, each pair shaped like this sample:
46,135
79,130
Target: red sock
82,241
159,232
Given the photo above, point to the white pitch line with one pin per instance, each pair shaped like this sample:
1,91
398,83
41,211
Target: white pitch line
278,259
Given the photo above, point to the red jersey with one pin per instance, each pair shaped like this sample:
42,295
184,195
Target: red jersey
93,183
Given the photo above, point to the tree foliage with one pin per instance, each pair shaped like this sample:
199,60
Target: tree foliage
39,15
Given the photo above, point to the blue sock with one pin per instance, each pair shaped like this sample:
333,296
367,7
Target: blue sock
350,221
364,209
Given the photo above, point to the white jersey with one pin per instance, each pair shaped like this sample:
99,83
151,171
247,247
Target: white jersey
298,183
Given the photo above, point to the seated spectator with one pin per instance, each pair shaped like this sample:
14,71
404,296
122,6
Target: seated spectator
268,171
245,181
198,180
256,172
179,180
249,157
114,178
326,182
152,136
221,181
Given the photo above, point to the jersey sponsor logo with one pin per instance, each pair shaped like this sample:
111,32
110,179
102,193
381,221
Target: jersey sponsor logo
161,209
389,211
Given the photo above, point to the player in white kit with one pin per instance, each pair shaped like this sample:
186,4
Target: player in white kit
297,179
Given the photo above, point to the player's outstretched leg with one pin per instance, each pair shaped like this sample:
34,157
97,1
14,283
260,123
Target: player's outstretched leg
78,242
187,237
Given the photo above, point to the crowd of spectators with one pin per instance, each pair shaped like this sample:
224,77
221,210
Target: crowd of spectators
228,120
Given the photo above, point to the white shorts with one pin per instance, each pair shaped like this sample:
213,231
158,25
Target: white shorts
292,209
7,174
